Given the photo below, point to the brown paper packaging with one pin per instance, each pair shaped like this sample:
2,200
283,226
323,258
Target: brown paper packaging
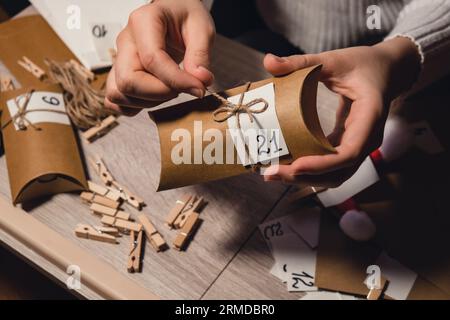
295,104
40,162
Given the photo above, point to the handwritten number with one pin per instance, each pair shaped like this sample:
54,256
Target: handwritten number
274,230
298,277
51,100
261,139
99,31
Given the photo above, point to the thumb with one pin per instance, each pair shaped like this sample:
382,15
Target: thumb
283,65
198,38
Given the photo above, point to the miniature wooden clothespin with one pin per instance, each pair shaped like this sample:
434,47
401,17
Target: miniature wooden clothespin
153,236
100,130
134,258
305,193
104,192
122,225
31,67
108,230
106,211
188,210
6,83
85,73
88,232
180,205
101,169
375,293
183,236
90,197
129,197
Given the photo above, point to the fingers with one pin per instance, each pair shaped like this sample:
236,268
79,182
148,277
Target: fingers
149,29
198,35
281,66
355,145
130,80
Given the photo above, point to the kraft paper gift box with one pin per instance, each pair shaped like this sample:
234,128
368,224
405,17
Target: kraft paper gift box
295,105
43,160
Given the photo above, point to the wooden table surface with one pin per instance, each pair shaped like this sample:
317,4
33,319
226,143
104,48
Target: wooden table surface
235,206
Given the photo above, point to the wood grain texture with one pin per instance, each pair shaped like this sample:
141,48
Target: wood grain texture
131,152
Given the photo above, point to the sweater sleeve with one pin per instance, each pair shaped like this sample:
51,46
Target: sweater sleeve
427,24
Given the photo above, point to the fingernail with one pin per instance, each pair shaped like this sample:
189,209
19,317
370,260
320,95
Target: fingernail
196,92
277,58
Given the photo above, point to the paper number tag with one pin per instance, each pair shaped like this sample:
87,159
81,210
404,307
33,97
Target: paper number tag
104,37
41,100
264,137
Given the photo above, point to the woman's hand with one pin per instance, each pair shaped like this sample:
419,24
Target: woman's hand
157,38
367,80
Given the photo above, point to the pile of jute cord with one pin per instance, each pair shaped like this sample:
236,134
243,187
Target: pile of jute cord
84,104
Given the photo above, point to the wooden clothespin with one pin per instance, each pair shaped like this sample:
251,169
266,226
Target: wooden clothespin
183,236
305,193
134,258
108,230
122,225
90,197
87,232
375,293
153,236
85,73
100,130
31,67
188,210
104,191
180,204
106,211
6,83
101,169
129,197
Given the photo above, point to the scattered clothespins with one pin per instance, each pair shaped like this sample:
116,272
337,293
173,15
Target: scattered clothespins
101,169
305,193
153,236
134,258
129,197
85,73
188,210
90,197
180,205
103,210
31,67
186,232
6,83
104,191
122,225
88,232
375,293
100,130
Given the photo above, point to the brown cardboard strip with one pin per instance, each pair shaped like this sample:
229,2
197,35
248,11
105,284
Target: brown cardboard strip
99,276
295,103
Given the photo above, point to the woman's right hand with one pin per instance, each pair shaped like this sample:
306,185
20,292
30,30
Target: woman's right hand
157,38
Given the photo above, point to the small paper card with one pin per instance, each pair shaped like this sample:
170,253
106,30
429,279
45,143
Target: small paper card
104,37
41,100
263,137
364,177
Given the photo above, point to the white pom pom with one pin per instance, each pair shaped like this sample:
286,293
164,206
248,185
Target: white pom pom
398,137
357,225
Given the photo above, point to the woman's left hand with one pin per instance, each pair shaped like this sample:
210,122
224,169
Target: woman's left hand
367,80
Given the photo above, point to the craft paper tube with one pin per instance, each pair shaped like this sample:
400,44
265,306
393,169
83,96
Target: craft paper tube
295,105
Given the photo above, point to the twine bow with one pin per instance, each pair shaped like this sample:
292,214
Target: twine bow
230,109
20,118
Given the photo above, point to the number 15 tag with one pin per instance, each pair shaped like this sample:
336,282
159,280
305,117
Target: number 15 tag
263,137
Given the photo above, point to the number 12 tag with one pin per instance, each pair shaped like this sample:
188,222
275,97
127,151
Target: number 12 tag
263,137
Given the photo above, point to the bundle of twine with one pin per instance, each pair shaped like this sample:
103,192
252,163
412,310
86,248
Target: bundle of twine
84,104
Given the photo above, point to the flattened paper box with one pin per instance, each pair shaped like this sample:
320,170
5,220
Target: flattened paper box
195,146
43,160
